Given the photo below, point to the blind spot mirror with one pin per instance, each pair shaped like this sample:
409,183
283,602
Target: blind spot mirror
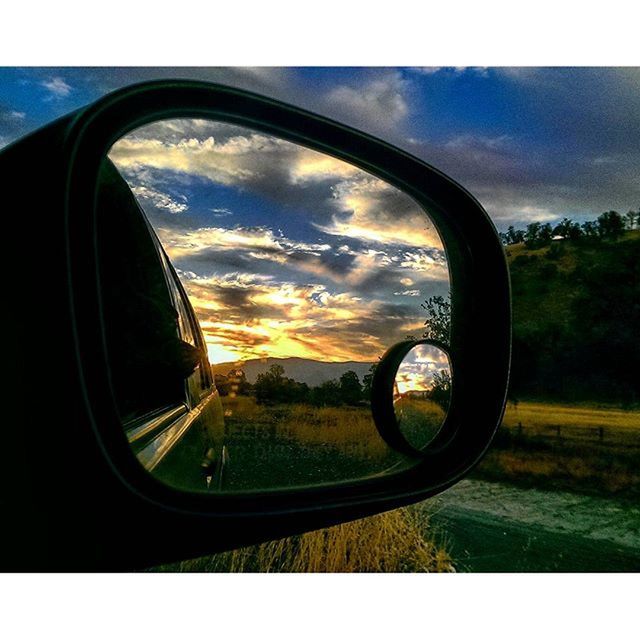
422,393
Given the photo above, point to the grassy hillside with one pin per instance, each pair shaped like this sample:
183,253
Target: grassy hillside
576,312
544,280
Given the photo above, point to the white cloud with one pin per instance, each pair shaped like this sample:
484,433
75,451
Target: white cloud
221,212
160,200
483,72
381,102
371,209
188,243
57,87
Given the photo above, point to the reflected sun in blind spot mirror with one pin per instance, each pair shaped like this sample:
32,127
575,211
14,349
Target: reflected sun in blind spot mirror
422,394
301,271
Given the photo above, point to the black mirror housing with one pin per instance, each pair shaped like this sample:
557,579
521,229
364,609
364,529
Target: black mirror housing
96,508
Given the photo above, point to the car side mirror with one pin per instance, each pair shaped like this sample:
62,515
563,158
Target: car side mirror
131,432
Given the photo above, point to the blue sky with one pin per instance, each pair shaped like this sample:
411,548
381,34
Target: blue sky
530,144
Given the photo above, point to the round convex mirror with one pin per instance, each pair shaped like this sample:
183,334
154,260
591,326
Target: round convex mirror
422,393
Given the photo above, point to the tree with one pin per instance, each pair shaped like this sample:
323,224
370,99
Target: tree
630,218
367,381
515,236
537,235
350,388
441,390
568,229
268,386
272,387
438,322
222,384
590,229
326,394
610,225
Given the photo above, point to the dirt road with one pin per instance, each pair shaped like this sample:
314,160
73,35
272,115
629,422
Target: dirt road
489,526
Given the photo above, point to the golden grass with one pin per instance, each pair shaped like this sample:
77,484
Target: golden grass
570,471
574,447
544,414
389,542
346,428
395,541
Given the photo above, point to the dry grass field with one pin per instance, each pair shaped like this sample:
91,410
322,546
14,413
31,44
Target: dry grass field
593,449
580,448
395,541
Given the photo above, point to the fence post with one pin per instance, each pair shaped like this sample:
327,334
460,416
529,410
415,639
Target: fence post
601,434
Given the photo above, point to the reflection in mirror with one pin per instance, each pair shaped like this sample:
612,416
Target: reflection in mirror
292,272
422,393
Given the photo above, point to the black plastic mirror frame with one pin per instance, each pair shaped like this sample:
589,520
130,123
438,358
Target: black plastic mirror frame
382,406
480,345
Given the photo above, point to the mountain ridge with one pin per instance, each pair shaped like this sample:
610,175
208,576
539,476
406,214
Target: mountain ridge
307,370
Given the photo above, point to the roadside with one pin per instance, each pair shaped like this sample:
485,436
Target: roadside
592,450
491,526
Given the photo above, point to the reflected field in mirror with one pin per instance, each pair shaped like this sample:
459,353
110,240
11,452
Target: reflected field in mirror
301,270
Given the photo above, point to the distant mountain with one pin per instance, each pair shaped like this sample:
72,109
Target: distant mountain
313,372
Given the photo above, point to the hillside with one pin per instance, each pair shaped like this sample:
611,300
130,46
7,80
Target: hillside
311,372
544,281
576,312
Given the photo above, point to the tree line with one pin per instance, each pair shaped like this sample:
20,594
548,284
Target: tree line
274,387
609,225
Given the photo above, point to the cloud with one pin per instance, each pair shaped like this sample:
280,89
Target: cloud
192,242
160,200
12,124
518,182
416,372
252,316
378,104
482,72
259,291
374,210
221,212
57,87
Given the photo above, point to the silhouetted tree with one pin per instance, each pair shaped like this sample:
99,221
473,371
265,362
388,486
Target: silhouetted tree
222,384
590,229
537,235
631,218
350,388
441,390
272,387
568,229
326,394
367,381
610,225
438,322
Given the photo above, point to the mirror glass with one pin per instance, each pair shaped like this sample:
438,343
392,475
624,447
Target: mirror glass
422,393
250,287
